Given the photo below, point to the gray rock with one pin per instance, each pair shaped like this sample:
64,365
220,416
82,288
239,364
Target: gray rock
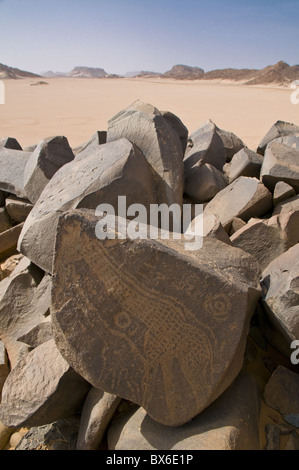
17,208
279,129
178,127
288,205
272,437
9,240
39,334
12,164
50,155
118,168
281,392
92,146
206,145
230,423
5,222
41,389
244,198
124,340
281,299
144,125
10,143
211,228
20,308
97,412
281,163
203,182
245,163
291,140
282,191
60,435
232,143
267,239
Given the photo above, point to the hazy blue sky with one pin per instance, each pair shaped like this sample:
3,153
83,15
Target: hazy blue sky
129,35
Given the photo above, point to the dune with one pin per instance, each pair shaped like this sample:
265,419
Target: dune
77,108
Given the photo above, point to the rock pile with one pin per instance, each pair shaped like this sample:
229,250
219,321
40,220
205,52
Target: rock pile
127,342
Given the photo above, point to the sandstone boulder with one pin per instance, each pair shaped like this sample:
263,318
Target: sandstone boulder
10,143
268,239
281,299
97,412
12,164
279,129
178,127
144,125
92,146
230,423
244,198
5,222
118,168
206,145
203,181
282,191
245,163
281,163
116,326
41,389
232,143
50,155
18,209
21,307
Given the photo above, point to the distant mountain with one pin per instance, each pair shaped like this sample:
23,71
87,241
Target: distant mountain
141,73
184,72
13,73
87,72
280,74
51,74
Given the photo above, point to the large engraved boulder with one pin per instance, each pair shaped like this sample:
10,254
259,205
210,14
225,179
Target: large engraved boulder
148,320
144,125
115,169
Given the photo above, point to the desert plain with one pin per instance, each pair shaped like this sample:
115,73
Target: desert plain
77,108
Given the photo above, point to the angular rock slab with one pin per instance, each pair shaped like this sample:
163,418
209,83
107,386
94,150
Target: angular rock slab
116,169
41,389
206,145
282,191
149,321
203,182
281,301
12,164
281,163
279,129
245,163
145,126
178,127
20,307
232,143
50,155
267,239
230,423
244,198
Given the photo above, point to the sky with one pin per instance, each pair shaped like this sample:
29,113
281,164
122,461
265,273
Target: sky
132,35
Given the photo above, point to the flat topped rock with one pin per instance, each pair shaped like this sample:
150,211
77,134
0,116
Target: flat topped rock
149,321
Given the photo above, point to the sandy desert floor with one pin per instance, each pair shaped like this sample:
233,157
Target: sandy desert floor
77,108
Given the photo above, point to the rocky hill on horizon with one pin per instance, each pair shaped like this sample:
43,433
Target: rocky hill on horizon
280,74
